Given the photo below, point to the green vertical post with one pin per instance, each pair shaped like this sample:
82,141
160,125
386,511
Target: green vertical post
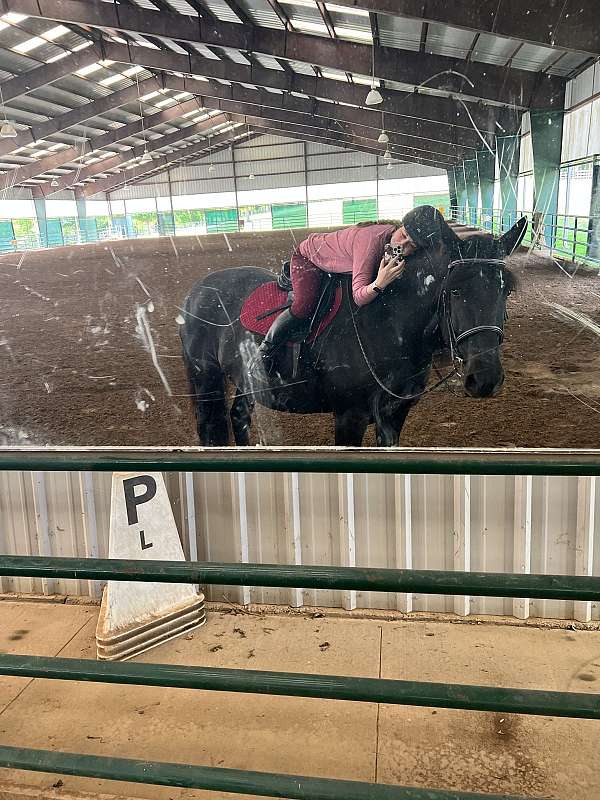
461,191
450,172
594,221
7,236
546,142
42,221
509,149
486,168
166,223
472,188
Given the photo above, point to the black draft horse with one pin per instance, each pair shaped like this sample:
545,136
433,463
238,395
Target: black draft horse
372,363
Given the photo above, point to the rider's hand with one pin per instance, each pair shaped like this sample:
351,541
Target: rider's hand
389,272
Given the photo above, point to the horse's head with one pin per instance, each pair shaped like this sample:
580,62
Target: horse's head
473,304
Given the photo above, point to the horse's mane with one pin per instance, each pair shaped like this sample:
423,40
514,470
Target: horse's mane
366,223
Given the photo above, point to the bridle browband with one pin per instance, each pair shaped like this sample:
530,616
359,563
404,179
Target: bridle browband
455,339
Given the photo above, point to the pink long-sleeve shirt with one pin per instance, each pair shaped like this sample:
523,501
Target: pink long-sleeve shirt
356,249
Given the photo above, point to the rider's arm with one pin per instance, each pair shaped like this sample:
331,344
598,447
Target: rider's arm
367,274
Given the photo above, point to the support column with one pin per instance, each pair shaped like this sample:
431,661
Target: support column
40,213
377,182
461,192
452,191
472,188
594,223
165,219
486,168
546,141
87,227
305,179
129,229
509,151
235,188
171,222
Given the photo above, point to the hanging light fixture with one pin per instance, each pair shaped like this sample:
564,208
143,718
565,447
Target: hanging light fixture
387,156
54,182
374,97
146,157
211,166
383,137
7,130
390,165
251,176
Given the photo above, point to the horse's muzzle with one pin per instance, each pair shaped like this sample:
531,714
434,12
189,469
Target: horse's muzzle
483,378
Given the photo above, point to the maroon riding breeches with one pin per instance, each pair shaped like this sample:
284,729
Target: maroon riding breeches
306,279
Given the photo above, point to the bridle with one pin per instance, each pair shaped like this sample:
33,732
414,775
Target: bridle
445,313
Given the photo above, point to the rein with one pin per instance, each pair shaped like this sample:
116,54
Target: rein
376,377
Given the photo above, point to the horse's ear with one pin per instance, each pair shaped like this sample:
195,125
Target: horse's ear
513,238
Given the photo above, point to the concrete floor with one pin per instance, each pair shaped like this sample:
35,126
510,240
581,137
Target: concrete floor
471,751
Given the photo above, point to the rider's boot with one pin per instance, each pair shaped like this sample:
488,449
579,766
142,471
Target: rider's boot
286,328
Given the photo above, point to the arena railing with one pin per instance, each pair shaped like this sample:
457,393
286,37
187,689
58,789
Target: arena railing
355,689
572,235
442,695
80,233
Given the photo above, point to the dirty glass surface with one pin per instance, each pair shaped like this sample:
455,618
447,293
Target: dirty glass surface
140,247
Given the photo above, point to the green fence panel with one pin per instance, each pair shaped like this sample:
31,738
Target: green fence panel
289,215
55,233
363,210
70,230
221,220
88,229
166,223
7,236
440,201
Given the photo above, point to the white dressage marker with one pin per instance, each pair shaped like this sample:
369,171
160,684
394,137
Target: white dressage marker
136,616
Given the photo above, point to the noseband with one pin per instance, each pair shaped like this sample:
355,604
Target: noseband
454,339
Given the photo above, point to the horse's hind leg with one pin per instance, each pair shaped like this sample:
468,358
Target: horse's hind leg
208,395
241,418
350,427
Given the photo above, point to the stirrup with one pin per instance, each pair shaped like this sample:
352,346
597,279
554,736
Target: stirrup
262,364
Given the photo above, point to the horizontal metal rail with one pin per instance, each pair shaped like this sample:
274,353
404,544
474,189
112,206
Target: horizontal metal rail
327,687
461,461
368,579
220,779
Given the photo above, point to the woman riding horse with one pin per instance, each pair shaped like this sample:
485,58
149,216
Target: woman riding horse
357,249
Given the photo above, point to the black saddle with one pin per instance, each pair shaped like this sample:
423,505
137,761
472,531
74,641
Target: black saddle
327,288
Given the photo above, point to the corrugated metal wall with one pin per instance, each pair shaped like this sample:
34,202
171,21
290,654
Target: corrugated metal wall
494,524
581,135
276,162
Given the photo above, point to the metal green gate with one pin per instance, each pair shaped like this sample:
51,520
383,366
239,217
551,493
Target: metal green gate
482,698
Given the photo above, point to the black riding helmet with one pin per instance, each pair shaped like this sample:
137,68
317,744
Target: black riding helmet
427,227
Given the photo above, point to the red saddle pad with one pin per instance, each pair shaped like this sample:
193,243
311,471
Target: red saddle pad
269,298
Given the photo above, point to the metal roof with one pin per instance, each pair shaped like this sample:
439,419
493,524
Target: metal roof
27,43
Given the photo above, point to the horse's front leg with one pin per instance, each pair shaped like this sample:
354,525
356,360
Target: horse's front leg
389,424
350,427
241,417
